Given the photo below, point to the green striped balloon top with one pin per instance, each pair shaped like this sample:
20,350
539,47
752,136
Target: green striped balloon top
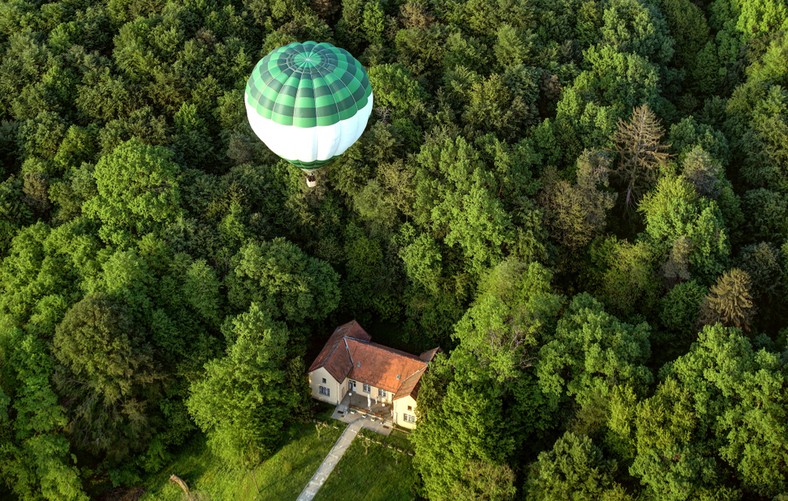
308,84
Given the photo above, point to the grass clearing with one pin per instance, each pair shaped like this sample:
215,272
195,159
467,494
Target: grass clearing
372,471
281,477
398,439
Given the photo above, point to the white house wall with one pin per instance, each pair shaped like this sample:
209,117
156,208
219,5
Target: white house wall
400,408
335,388
373,392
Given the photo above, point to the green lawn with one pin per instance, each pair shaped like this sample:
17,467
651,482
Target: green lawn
373,473
280,478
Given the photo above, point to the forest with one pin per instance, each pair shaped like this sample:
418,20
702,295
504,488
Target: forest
584,203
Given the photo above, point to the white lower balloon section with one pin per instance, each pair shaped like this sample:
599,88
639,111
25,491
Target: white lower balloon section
309,144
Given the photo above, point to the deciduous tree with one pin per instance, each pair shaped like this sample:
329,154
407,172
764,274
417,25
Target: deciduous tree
591,353
138,192
720,411
35,457
577,212
283,280
674,210
574,468
243,401
109,377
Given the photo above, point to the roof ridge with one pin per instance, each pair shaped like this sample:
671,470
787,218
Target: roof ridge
420,369
392,350
347,348
326,357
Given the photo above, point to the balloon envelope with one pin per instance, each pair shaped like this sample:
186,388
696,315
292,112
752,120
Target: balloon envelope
308,102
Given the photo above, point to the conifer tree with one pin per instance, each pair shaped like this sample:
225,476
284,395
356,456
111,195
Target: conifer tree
641,152
729,301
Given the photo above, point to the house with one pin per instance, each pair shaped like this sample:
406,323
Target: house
351,364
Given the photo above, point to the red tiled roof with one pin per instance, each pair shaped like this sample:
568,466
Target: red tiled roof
349,353
410,386
380,366
334,356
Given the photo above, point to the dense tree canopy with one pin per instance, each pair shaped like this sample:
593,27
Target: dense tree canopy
584,203
227,403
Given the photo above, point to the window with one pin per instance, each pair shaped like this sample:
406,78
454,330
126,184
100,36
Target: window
382,393
408,418
410,407
366,388
324,380
352,385
325,391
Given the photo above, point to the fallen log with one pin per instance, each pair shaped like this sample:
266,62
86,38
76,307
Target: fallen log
185,488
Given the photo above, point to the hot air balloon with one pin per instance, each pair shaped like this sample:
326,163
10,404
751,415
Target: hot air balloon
308,102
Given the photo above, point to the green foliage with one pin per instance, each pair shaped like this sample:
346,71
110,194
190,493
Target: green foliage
14,212
758,123
573,469
512,46
35,460
591,353
673,210
670,466
467,214
705,174
485,390
108,368
687,446
286,282
242,401
42,270
625,278
201,289
590,108
680,307
688,28
762,263
578,212
138,192
368,284
78,146
688,134
396,89
139,216
768,212
502,330
467,427
761,17
639,28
